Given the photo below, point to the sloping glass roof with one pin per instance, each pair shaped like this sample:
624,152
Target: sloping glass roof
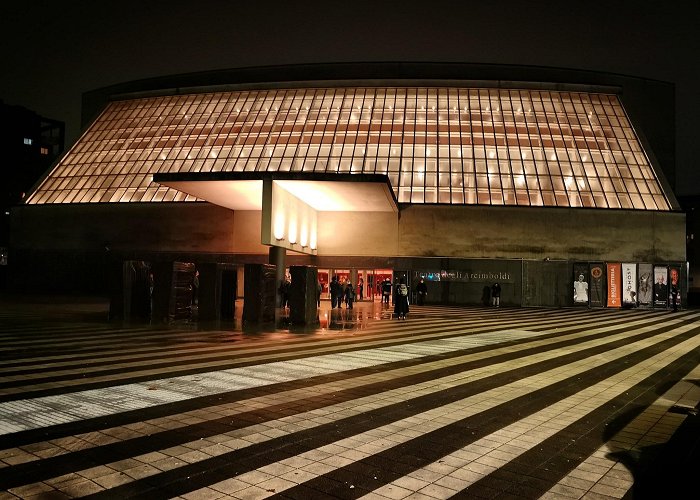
437,145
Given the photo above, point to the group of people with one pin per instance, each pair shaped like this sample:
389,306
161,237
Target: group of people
400,293
342,293
346,293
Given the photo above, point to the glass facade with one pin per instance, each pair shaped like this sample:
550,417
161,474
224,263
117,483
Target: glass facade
481,146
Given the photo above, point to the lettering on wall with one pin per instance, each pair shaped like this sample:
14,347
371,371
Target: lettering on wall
465,276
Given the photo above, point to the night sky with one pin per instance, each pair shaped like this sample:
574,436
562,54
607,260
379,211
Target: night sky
53,51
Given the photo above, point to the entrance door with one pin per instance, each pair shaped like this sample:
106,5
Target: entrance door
379,276
324,279
371,281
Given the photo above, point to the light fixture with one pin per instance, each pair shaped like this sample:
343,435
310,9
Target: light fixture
292,232
279,226
304,236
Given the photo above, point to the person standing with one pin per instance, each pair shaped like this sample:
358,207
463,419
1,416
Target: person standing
496,295
285,287
319,289
386,291
335,292
401,300
349,295
421,291
360,289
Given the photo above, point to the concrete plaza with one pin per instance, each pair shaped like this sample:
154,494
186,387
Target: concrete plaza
452,402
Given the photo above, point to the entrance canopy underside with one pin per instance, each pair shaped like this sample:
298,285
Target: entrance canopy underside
323,192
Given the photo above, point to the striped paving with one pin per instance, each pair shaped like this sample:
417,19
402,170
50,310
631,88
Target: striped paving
472,403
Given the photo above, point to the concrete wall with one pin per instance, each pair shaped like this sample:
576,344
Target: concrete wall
429,231
74,246
358,233
246,232
538,233
166,227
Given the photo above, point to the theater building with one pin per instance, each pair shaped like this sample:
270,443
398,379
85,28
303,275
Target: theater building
553,183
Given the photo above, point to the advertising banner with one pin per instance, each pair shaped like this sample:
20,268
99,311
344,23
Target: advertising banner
660,286
614,284
581,284
674,273
629,284
596,292
645,295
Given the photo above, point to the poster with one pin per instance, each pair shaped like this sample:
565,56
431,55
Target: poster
660,286
629,284
674,273
596,292
645,285
614,283
581,284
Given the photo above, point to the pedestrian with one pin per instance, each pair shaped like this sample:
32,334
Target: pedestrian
349,295
284,291
421,291
360,288
319,289
195,288
335,292
386,291
401,300
496,295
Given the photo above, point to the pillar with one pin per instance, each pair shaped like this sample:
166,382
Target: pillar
209,294
259,294
302,295
162,291
277,257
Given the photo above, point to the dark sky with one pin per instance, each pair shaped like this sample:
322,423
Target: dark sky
53,51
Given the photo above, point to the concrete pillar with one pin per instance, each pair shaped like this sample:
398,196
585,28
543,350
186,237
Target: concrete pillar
162,291
302,295
209,295
277,257
353,279
259,296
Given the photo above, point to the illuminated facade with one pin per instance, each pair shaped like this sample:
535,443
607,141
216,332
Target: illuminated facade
474,179
436,145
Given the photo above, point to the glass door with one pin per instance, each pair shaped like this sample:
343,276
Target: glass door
324,279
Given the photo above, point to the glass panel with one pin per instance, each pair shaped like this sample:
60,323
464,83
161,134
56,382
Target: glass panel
576,139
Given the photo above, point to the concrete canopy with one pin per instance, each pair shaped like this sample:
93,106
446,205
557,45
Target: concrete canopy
323,192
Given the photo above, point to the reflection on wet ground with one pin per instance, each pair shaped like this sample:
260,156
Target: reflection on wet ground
95,310
327,318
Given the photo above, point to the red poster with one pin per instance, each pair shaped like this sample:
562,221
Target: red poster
614,284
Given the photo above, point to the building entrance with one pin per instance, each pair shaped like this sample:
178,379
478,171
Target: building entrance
364,281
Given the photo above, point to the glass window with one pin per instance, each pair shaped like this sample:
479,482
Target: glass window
514,135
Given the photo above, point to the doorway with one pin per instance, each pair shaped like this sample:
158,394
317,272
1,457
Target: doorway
366,282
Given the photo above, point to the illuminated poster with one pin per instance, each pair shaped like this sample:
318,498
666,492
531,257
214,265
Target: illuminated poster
660,286
645,295
674,274
581,284
629,284
614,283
596,292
